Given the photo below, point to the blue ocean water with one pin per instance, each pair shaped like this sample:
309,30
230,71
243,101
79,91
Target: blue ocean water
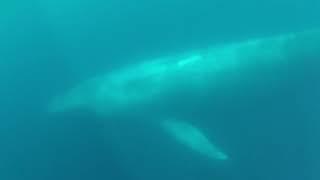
47,46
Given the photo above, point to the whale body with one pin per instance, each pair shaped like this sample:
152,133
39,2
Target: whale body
173,91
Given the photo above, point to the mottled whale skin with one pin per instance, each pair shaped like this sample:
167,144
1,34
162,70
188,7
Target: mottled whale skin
174,90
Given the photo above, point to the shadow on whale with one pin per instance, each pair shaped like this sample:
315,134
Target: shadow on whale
172,91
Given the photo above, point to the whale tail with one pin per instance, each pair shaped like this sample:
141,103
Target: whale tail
64,103
74,99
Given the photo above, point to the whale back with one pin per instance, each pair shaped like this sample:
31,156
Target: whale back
215,75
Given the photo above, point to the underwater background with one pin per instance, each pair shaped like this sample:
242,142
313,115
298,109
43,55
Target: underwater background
48,46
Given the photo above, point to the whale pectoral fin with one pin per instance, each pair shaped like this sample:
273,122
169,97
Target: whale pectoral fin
192,137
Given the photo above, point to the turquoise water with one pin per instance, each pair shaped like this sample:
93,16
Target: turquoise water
47,46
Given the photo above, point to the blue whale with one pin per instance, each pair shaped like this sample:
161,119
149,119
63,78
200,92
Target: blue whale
176,90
